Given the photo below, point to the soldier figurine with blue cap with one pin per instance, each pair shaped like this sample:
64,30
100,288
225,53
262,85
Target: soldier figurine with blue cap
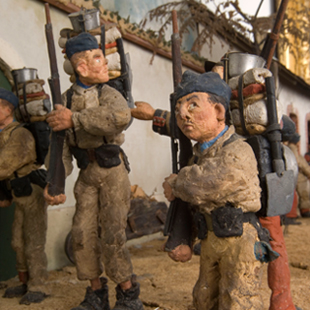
18,177
221,183
94,116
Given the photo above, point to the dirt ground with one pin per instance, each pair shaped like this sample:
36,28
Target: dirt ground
166,285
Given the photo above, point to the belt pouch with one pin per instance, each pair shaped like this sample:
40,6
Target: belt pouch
21,186
227,222
81,156
107,155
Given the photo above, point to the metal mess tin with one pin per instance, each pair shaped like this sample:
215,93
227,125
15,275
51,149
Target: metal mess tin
238,63
85,20
25,74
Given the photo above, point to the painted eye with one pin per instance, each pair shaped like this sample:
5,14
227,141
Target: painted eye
192,106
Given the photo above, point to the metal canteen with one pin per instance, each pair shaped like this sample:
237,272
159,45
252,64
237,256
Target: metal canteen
238,63
25,74
85,20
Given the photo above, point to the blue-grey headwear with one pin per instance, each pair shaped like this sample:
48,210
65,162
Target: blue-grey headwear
288,128
294,138
9,96
80,43
209,82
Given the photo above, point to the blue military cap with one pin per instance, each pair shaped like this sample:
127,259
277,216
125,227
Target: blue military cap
80,43
209,82
288,128
9,96
294,138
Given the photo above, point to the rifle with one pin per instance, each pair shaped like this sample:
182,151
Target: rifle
273,37
178,225
56,171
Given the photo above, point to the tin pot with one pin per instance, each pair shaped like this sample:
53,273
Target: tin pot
85,20
25,74
238,63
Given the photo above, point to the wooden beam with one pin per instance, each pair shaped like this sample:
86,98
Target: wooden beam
71,8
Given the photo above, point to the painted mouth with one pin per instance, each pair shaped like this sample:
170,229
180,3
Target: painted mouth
187,125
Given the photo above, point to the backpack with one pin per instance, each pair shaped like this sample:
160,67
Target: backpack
41,134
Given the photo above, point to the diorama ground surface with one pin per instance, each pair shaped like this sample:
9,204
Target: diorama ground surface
167,285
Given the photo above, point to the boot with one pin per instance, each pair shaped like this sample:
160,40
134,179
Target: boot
95,300
32,297
128,299
16,291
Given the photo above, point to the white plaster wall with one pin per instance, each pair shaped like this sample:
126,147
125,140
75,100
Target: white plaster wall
23,44
291,94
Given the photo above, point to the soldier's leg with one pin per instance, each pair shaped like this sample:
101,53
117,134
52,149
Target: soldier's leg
34,231
86,247
17,243
304,199
206,290
114,207
85,241
240,272
18,239
278,270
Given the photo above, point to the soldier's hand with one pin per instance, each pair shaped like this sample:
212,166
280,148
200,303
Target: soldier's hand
182,253
5,203
168,189
53,200
60,118
143,111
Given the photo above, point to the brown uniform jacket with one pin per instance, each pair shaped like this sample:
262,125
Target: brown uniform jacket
96,120
224,172
17,152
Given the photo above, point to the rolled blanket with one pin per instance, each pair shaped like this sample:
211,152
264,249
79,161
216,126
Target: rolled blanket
109,51
114,74
37,118
62,42
234,104
35,107
253,129
249,90
31,88
114,62
112,35
37,81
34,95
68,67
252,76
45,96
254,114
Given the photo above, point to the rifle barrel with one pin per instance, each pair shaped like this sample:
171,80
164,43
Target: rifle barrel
47,13
175,22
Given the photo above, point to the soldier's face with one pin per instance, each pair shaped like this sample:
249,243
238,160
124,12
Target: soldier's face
5,113
198,117
97,67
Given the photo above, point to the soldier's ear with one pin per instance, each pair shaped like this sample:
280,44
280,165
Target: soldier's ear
220,111
82,69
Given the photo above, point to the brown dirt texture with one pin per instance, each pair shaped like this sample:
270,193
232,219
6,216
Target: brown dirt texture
167,285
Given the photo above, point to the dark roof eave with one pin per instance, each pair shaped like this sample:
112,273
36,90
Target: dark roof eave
240,42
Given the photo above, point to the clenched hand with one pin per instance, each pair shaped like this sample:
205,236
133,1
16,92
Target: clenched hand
60,118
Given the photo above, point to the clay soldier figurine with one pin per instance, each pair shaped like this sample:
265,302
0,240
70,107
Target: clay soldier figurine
221,182
303,176
18,168
94,118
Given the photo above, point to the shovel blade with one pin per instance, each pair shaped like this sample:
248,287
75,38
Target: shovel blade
280,193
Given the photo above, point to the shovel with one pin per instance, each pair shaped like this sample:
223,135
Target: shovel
280,183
